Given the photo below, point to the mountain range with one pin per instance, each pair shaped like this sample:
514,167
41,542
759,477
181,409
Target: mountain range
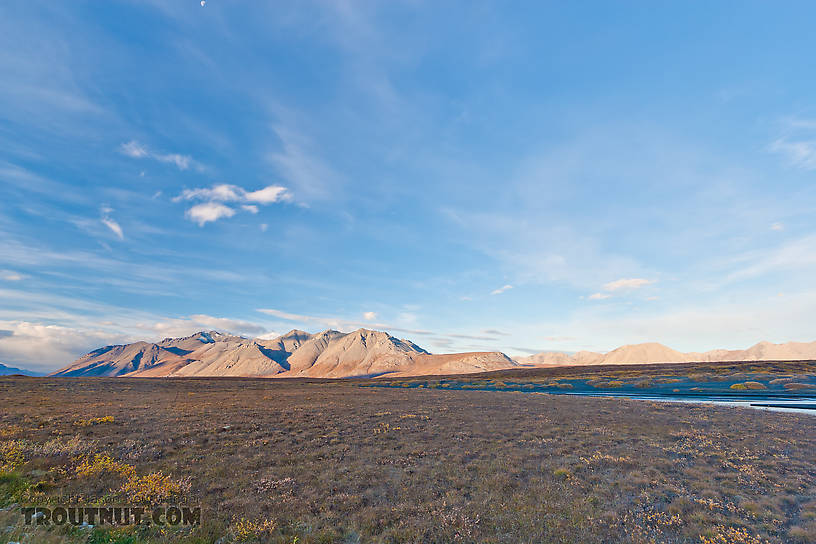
653,352
328,354
366,353
10,370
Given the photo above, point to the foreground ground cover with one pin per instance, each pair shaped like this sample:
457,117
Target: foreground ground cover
322,461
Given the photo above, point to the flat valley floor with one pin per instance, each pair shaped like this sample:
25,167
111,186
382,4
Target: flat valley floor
319,461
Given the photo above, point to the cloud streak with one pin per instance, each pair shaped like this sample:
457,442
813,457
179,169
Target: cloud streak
114,227
799,153
618,286
10,275
447,341
136,150
501,289
626,284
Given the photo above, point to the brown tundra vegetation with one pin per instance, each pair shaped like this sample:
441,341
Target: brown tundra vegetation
311,461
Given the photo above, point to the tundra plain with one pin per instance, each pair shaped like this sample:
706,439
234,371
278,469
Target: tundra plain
306,461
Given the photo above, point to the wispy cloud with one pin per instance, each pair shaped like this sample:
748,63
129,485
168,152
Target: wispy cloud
113,226
338,323
470,336
222,193
289,316
111,223
181,327
215,198
449,341
501,289
800,153
627,283
531,351
621,285
797,142
267,195
300,165
10,275
136,150
795,256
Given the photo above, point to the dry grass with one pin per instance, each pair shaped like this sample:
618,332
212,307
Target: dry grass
317,461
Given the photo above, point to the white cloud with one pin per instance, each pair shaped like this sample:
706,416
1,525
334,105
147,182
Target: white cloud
209,211
43,347
599,296
267,195
627,283
137,150
501,290
777,226
10,275
214,198
370,316
221,193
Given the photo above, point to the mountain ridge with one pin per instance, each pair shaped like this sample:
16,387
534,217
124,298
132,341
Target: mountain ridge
327,354
653,352
6,370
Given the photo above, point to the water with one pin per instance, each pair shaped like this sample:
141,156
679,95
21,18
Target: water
756,402
774,398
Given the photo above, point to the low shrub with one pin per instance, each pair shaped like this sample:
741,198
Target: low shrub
748,385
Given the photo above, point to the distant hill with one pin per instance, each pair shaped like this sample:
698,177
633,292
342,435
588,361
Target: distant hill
9,370
657,353
329,354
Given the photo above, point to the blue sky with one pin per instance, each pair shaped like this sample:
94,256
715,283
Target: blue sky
469,175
